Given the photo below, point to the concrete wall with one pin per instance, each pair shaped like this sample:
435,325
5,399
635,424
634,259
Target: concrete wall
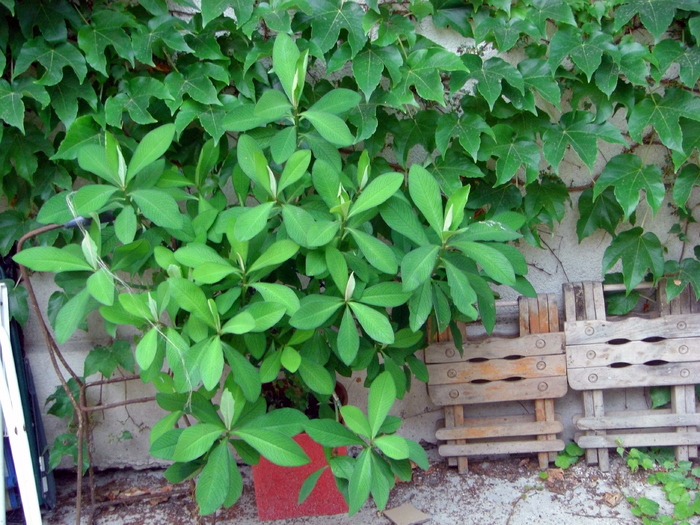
563,260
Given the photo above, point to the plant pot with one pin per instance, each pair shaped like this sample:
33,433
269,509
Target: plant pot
277,488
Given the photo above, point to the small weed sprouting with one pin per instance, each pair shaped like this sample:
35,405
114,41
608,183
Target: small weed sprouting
570,455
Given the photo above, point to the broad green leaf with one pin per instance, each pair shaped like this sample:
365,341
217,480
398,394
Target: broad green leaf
55,210
101,286
283,144
687,272
159,207
399,216
287,421
374,323
356,420
337,101
628,175
152,146
386,295
309,485
318,378
294,169
463,295
603,213
394,447
493,262
586,53
212,272
330,127
338,267
276,447
266,314
147,348
277,253
417,454
376,192
245,374
71,316
50,259
488,230
195,441
195,254
382,394
290,359
213,482
321,233
279,293
92,158
92,197
639,252
285,56
125,225
252,221
253,162
164,446
272,105
211,363
191,298
315,310
241,323
360,482
330,433
348,338
425,194
417,266
377,253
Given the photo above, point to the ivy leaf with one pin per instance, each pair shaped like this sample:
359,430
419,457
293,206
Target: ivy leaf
454,15
450,170
538,77
639,252
490,74
669,51
656,15
576,129
505,32
11,104
687,272
367,69
512,153
135,99
413,131
468,128
662,113
603,212
423,72
54,59
627,174
586,53
106,359
84,131
65,95
212,9
106,29
196,84
329,18
544,10
687,179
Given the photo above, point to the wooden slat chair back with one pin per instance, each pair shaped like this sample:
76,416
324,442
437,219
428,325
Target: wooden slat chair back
529,367
633,351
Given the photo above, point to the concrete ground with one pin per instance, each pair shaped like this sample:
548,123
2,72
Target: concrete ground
503,491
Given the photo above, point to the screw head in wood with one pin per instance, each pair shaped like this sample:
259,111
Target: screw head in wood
452,373
450,352
590,354
681,325
593,378
542,386
589,330
683,349
454,394
541,343
541,365
685,372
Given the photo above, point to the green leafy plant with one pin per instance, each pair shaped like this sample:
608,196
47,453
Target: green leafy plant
301,188
570,455
679,481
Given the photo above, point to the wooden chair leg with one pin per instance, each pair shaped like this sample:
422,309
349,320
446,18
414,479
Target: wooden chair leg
462,462
450,423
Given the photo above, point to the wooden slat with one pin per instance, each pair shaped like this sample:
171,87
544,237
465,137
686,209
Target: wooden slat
553,313
678,407
502,420
569,303
634,376
496,348
538,388
462,461
632,328
666,439
599,411
504,430
502,447
647,419
497,369
450,423
635,352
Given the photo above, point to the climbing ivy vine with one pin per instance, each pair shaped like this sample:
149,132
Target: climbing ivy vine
223,151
